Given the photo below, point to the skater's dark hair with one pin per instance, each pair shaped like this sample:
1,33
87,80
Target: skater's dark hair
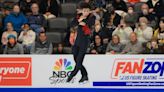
85,5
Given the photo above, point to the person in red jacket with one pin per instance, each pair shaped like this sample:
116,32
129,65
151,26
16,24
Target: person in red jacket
81,41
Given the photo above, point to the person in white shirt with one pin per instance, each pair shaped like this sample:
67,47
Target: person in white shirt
123,31
27,37
143,31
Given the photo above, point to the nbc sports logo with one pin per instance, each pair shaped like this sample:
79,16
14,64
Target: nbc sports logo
62,68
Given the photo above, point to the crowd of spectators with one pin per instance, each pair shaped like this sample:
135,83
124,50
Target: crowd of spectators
117,26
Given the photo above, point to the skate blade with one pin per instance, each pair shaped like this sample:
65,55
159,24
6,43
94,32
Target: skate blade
85,82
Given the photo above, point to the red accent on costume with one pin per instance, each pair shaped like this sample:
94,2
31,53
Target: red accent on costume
86,30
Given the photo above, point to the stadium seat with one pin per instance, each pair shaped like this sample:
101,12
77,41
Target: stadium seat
58,24
70,21
72,1
68,50
11,1
64,35
54,37
68,10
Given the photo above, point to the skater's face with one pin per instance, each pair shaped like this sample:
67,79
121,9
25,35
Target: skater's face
85,12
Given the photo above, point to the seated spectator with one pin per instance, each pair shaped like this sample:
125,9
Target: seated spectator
97,46
27,37
5,11
9,31
156,7
13,47
25,6
110,18
17,18
107,34
110,21
114,46
159,33
49,8
105,41
123,31
145,13
97,30
119,5
134,46
59,50
143,31
152,47
131,18
42,46
37,21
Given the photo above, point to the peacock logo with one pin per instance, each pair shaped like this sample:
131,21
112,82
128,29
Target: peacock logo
63,64
62,68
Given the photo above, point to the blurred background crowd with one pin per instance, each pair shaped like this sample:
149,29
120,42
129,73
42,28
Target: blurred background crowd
117,26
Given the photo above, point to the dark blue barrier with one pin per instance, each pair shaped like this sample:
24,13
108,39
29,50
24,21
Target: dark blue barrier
76,90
